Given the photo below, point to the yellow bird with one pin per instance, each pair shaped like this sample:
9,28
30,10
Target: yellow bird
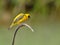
20,18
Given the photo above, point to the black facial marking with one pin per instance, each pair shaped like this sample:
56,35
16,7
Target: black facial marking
28,16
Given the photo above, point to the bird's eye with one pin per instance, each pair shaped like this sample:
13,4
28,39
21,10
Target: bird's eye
28,16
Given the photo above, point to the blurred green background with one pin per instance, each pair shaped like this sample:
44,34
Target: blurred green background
45,20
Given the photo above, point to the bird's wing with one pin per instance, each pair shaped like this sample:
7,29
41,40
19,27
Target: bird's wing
17,18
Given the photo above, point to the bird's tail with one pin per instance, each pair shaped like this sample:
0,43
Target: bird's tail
11,26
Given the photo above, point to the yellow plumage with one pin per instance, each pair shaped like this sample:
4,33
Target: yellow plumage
20,18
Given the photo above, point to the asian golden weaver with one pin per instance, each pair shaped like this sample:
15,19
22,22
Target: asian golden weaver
20,18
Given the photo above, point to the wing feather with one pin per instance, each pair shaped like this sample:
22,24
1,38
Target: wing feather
19,17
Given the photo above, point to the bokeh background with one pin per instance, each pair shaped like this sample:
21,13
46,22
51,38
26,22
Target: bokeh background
45,20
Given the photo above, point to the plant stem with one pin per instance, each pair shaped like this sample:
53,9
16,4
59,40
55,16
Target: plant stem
15,34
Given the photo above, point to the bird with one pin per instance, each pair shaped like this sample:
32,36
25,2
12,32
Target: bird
19,19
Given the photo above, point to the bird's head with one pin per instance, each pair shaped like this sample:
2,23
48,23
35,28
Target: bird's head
27,15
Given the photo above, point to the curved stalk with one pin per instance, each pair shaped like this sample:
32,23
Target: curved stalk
23,24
